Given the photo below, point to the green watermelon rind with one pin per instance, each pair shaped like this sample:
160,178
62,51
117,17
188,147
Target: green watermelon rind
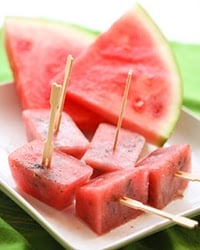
59,24
172,62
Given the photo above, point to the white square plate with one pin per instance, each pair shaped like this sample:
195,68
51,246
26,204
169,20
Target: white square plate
68,230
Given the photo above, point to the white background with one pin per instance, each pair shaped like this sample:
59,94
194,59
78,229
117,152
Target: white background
178,19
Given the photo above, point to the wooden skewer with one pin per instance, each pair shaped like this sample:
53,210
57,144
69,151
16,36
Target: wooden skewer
68,68
187,176
183,221
48,146
124,100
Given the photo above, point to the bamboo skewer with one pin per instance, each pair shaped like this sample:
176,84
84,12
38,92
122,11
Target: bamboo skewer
68,69
48,146
187,176
180,220
124,100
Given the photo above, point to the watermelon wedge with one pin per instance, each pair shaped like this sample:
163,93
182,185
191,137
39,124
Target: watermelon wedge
37,50
100,72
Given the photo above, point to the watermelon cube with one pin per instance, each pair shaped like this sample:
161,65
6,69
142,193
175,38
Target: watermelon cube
97,202
101,156
54,186
69,138
163,164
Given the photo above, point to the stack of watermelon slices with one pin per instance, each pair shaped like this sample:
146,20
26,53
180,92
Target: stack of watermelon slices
99,72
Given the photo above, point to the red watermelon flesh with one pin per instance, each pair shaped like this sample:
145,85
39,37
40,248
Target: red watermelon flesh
163,164
100,72
55,185
84,118
97,202
101,156
69,139
37,51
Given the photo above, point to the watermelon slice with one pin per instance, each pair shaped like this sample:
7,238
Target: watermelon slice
37,50
163,164
54,186
69,139
101,156
97,202
99,76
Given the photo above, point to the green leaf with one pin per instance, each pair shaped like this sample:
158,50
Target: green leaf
188,58
5,72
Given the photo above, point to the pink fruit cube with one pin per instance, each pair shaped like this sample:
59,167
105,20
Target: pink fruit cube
163,164
55,185
97,202
69,138
101,156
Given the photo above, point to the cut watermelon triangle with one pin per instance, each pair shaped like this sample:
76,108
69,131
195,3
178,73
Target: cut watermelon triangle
37,50
100,72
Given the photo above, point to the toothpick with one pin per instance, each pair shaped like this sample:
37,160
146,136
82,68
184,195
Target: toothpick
68,68
183,221
187,176
123,105
48,146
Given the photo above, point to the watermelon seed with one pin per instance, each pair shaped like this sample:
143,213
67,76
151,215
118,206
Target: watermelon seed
138,104
37,165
